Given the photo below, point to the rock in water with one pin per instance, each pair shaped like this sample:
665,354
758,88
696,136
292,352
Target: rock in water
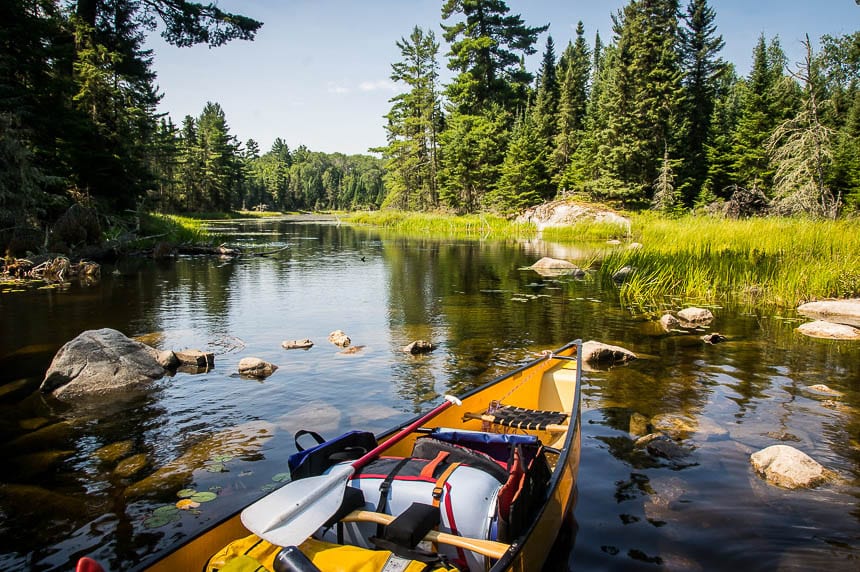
255,367
98,362
829,330
419,347
596,352
696,315
788,467
339,338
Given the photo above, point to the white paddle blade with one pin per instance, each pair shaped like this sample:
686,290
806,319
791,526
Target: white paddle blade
292,513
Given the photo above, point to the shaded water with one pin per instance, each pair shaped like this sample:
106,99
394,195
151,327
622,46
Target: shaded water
88,479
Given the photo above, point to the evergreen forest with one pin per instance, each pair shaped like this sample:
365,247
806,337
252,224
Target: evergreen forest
651,117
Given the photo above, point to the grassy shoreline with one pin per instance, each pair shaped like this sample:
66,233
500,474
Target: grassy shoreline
760,261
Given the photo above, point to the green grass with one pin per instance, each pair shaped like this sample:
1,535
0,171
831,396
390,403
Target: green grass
425,224
173,228
763,261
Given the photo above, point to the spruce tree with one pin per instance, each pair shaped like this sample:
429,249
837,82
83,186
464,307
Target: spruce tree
700,47
575,67
523,180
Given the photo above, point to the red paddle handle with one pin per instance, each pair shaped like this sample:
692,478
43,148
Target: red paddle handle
374,453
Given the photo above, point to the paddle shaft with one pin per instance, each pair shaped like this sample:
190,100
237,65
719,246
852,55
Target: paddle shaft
402,434
489,548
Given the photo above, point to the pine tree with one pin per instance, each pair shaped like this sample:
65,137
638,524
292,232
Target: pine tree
412,157
767,98
523,180
702,66
575,66
486,51
643,96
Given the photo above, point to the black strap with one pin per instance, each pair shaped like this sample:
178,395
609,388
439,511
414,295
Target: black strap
317,437
430,558
384,487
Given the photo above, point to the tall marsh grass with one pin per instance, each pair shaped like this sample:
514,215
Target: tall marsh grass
175,228
772,261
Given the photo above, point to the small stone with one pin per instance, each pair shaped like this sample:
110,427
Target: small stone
339,338
695,315
623,273
195,358
714,338
821,388
297,344
255,367
351,350
669,322
419,347
787,467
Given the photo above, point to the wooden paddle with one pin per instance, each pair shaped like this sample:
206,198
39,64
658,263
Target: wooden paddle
290,514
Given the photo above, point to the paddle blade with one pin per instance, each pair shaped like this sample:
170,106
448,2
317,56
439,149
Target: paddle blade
290,514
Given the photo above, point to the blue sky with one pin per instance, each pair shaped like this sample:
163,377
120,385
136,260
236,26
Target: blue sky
318,72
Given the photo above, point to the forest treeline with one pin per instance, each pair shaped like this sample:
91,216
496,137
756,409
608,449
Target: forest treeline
652,118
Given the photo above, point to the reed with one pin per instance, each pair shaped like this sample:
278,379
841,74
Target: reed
174,228
770,261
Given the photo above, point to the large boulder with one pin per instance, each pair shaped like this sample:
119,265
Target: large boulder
788,467
98,362
563,213
837,311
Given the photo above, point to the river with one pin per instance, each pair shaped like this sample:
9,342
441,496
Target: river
89,480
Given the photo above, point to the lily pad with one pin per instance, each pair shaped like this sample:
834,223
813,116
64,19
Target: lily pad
269,487
222,458
216,468
185,493
165,509
157,520
203,497
281,477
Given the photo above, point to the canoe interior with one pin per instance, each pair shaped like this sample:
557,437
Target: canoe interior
544,384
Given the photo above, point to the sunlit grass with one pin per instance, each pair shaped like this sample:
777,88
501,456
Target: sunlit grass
426,224
773,261
174,228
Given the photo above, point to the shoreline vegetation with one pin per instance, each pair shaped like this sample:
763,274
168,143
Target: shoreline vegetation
771,261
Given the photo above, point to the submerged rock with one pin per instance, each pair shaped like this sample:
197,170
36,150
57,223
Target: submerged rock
547,266
714,338
599,353
639,425
669,322
196,358
788,467
419,347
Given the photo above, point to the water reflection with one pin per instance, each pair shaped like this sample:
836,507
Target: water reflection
87,479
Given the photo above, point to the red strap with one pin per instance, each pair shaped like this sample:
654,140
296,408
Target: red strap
430,468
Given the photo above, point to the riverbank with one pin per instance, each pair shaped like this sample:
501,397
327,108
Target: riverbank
757,261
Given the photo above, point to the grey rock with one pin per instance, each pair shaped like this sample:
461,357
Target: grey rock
600,353
623,273
829,330
195,358
669,322
787,467
256,367
837,311
167,359
297,344
695,315
99,362
714,338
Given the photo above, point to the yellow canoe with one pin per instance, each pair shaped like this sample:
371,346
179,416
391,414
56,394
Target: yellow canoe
549,384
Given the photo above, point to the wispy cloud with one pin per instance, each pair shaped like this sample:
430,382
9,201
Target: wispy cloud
337,88
378,85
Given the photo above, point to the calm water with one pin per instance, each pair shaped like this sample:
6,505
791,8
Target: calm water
88,479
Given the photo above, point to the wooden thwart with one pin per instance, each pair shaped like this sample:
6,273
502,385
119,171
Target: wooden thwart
489,548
